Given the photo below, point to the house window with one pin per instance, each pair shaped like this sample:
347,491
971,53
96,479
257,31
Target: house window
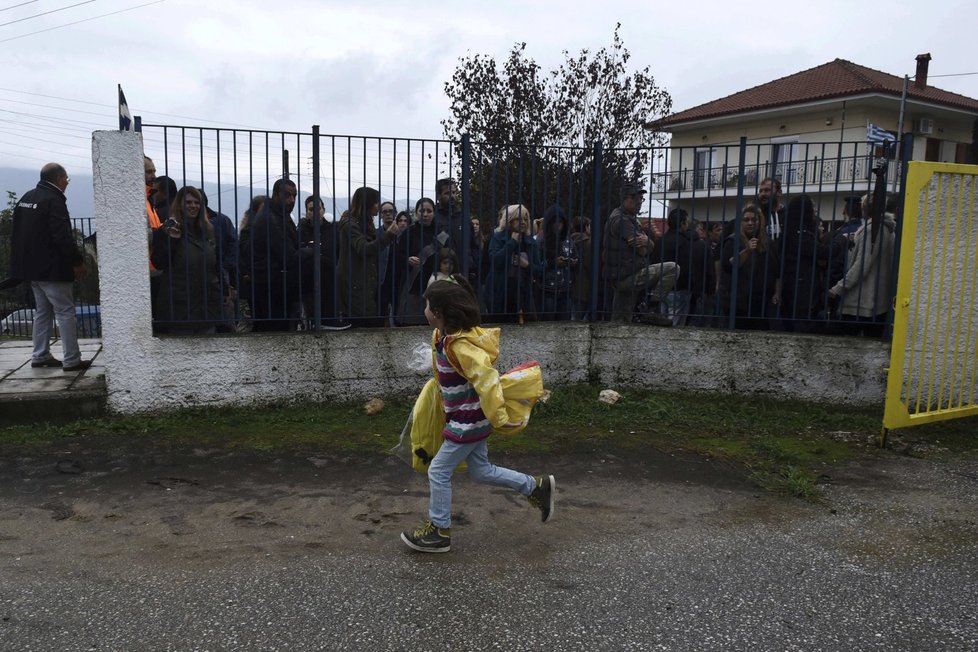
786,165
703,169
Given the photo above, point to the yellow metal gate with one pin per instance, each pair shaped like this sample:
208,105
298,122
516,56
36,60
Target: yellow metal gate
934,355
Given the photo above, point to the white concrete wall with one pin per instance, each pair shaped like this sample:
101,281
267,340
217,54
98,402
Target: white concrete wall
146,373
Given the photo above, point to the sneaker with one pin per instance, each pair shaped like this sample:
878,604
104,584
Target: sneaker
50,362
81,366
543,497
428,538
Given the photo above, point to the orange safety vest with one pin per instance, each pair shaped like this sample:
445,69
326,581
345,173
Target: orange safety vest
153,220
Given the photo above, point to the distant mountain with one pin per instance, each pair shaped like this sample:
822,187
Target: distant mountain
81,196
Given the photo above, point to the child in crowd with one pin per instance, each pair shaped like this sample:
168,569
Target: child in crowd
446,265
464,355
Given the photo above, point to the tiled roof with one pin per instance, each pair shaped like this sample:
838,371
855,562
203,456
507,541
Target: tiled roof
839,78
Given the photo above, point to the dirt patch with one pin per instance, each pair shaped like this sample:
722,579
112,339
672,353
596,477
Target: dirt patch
125,496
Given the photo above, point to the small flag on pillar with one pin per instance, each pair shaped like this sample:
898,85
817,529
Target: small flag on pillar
125,118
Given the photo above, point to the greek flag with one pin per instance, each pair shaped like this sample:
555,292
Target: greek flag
876,134
125,118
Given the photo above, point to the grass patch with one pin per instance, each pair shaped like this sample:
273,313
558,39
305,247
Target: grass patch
782,446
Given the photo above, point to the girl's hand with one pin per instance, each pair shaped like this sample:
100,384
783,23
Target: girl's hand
414,261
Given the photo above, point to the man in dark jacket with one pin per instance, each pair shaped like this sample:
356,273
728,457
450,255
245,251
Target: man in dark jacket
164,192
226,237
43,251
625,261
327,267
271,257
449,220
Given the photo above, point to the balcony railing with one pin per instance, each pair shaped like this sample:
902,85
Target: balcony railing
829,173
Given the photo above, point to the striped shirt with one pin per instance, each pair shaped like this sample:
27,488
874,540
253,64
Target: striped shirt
464,419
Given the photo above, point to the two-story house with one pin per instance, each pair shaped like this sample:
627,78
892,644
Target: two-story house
808,130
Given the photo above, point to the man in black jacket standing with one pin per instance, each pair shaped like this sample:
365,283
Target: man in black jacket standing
272,259
458,227
43,251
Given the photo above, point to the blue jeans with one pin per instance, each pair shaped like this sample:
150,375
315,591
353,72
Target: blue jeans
55,300
676,306
450,455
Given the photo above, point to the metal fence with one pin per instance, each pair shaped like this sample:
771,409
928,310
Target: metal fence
281,269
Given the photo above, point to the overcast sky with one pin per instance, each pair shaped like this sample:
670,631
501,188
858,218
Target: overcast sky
378,68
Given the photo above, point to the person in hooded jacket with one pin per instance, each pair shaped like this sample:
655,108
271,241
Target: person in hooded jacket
560,260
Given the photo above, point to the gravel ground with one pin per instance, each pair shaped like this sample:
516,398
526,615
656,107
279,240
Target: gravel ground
135,547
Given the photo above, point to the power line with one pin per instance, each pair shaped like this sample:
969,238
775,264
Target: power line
49,151
55,97
56,108
33,138
84,20
113,106
45,13
56,119
955,74
29,2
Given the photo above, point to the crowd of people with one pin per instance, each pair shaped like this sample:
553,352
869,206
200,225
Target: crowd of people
781,270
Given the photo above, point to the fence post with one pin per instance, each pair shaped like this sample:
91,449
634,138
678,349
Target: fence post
138,123
741,177
906,154
317,254
285,163
596,230
465,254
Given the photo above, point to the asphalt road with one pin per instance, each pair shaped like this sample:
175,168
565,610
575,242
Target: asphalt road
129,547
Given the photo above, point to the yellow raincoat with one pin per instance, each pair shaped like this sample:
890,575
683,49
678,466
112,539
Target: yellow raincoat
505,399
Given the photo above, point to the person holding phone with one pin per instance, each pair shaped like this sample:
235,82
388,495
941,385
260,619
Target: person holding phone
185,251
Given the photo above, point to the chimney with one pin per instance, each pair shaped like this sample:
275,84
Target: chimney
920,79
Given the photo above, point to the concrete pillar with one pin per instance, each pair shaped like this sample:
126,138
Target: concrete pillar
120,213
